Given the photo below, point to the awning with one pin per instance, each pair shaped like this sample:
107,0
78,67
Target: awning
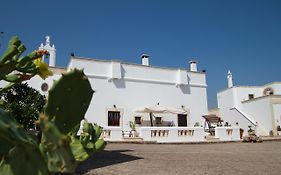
212,118
161,109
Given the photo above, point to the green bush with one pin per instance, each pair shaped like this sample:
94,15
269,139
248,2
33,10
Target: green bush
24,103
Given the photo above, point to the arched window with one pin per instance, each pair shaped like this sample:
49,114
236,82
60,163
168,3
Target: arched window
268,91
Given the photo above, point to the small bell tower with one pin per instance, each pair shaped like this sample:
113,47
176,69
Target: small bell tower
51,56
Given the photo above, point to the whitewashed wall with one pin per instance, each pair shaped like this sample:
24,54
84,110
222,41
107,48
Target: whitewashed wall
277,114
242,94
142,86
260,111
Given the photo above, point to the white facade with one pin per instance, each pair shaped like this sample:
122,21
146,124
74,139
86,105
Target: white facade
123,88
256,106
126,87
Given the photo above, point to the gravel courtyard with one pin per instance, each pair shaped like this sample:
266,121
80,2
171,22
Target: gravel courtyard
165,159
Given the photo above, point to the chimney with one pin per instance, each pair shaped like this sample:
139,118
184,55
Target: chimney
145,59
229,79
193,65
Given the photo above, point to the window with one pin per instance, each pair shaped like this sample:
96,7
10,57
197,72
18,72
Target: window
268,91
47,55
158,120
44,87
182,120
113,118
138,120
251,96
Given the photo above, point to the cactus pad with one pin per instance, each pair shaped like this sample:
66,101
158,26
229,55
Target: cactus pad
12,132
88,141
56,147
23,160
69,100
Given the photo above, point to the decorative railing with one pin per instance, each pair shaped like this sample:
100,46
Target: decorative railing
185,133
172,134
227,133
112,133
159,133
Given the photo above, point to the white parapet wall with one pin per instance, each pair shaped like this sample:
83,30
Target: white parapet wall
172,134
112,134
227,133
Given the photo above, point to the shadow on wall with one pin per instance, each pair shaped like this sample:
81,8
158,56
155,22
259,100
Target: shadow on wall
105,158
120,83
185,89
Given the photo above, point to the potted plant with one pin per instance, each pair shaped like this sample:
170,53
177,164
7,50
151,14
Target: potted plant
278,130
197,124
251,131
133,128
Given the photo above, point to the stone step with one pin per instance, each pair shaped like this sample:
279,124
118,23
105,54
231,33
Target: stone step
212,138
132,139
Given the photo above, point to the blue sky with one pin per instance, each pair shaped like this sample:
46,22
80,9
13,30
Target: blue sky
243,36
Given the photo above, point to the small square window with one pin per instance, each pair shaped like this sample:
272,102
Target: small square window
138,120
251,96
158,120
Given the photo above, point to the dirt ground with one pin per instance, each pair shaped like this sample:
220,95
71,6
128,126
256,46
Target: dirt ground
166,159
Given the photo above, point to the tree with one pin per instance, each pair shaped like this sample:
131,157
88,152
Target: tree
24,103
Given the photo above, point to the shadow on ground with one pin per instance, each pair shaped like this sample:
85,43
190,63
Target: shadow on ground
105,158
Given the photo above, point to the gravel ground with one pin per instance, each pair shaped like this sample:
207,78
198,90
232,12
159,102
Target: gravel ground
165,159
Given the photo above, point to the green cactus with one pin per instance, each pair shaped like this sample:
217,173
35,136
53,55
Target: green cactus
60,148
56,148
23,160
88,142
77,93
24,66
12,133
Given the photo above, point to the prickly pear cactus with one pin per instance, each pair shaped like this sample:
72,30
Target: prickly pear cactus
88,142
11,60
56,148
23,160
69,100
60,148
15,69
23,147
11,132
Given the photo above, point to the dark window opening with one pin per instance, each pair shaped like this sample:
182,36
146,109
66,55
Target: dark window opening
138,120
251,96
113,118
158,120
182,120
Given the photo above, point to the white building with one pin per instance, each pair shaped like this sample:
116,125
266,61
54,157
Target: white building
124,91
256,106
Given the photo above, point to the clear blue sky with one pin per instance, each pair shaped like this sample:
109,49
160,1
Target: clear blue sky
241,35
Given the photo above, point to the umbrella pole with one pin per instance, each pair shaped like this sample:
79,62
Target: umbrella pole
151,122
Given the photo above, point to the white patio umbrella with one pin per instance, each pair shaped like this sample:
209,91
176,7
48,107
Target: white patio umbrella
161,109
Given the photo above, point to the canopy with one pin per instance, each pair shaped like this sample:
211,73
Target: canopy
161,109
211,119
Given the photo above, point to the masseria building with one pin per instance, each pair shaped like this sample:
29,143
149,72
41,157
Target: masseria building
255,106
165,103
123,90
